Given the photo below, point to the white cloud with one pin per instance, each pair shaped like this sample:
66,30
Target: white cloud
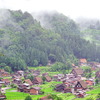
73,8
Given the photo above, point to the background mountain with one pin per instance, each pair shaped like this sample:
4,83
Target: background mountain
27,40
90,29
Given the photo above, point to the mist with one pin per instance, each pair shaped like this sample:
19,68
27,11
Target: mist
73,9
85,22
7,21
43,16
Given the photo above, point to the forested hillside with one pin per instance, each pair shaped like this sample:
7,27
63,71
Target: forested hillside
24,42
90,29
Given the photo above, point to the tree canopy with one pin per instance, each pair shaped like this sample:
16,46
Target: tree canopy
24,42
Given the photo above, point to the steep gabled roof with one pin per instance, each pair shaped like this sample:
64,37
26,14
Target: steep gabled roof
36,88
39,79
29,81
79,71
48,78
46,98
83,84
5,80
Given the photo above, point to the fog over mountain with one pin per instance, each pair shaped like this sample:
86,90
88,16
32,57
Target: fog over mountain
71,8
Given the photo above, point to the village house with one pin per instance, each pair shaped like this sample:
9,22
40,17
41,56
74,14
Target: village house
58,77
82,62
34,90
55,77
45,98
36,73
2,83
6,81
48,78
44,74
2,97
17,81
80,94
70,82
26,89
69,76
63,88
3,73
94,64
23,88
68,90
37,80
20,72
28,81
90,82
77,72
81,85
15,76
60,88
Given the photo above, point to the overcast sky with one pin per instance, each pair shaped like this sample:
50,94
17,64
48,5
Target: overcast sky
71,8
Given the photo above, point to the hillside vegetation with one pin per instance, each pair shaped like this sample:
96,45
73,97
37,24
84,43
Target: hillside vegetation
24,41
90,29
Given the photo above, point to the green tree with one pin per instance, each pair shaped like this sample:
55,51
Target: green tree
52,57
2,65
98,96
28,98
30,44
8,69
96,81
35,63
58,66
31,77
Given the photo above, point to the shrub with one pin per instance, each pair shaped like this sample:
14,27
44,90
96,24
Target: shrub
98,96
13,86
28,98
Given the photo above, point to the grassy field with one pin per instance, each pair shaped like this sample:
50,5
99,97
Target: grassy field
44,69
95,91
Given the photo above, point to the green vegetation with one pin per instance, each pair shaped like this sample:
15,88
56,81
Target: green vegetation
92,35
24,42
95,91
28,98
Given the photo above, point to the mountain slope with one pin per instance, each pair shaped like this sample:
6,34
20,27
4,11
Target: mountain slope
24,42
90,29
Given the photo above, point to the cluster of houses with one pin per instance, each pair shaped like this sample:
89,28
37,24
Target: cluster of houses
74,82
26,85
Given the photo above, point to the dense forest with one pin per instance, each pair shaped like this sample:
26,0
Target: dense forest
90,29
26,41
